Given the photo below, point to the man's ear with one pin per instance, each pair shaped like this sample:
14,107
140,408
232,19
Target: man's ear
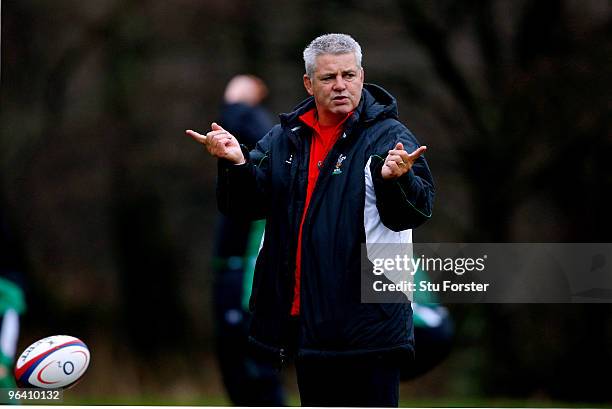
308,84
362,75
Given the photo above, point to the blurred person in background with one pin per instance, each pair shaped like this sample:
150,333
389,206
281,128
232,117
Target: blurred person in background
434,332
247,380
338,171
12,300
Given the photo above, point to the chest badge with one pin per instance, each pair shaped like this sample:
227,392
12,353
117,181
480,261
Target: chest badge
337,169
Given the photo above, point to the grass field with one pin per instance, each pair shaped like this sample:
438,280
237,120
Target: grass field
295,401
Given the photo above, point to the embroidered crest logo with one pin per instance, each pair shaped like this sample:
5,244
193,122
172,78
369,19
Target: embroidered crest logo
337,169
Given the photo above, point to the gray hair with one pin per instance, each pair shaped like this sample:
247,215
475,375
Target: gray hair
330,44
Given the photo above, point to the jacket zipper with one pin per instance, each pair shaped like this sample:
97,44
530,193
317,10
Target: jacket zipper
338,147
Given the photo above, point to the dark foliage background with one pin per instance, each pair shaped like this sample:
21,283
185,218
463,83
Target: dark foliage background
115,206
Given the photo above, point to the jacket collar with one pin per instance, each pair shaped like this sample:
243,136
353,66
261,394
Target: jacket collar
375,104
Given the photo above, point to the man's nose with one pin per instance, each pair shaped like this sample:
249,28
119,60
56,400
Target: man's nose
339,83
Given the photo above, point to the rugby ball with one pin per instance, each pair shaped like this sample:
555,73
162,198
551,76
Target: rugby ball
55,362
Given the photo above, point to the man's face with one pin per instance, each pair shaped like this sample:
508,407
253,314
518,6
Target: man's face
336,86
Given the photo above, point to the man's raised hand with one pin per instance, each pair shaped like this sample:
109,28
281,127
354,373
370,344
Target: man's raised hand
399,161
220,143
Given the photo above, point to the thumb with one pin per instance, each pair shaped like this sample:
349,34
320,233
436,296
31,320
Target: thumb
418,152
216,127
399,146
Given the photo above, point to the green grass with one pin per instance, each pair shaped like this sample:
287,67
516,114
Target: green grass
295,401
494,403
147,401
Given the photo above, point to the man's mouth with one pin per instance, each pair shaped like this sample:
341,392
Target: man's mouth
340,98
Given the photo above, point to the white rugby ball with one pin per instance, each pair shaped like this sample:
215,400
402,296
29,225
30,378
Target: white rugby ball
55,362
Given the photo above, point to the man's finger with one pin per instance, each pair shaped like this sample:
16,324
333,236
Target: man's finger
395,158
214,140
399,146
394,167
197,136
216,127
403,154
212,134
418,152
219,142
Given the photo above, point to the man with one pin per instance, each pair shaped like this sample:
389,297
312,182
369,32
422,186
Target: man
248,381
338,171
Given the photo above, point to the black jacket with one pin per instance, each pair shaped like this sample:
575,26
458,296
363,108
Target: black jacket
351,203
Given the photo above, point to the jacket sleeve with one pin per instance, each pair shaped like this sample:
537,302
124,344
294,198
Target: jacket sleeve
406,202
242,190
